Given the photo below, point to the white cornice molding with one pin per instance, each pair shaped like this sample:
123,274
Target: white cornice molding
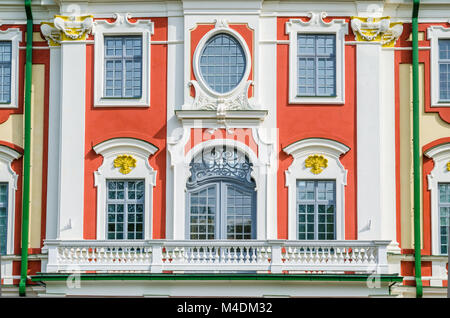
327,146
119,145
8,154
438,152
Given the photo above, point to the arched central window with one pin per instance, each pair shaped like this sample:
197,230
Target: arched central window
221,197
222,63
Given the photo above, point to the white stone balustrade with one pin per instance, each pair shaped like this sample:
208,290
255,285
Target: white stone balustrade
212,256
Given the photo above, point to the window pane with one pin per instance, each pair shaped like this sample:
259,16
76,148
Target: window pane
316,68
316,213
5,71
222,63
125,209
444,214
3,217
203,213
123,66
239,213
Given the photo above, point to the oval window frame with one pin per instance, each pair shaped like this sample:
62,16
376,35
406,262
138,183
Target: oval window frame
199,50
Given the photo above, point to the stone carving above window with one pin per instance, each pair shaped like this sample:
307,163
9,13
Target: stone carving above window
234,97
220,162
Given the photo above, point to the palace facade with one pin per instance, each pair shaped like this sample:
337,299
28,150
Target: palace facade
224,148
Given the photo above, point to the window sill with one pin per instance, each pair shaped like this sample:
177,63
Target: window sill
328,100
121,102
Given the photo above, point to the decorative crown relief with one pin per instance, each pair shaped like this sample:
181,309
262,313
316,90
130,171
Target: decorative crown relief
377,30
316,163
67,28
123,20
125,163
315,19
237,101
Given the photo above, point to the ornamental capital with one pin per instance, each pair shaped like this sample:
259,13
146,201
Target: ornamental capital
380,30
67,28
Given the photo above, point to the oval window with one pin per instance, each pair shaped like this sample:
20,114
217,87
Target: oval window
222,63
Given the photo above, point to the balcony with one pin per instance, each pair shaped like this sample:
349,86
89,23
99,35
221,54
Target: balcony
273,256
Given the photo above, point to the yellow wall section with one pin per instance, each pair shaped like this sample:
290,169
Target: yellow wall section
432,127
37,145
12,130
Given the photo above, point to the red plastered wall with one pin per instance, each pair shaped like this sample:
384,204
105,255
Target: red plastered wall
296,122
146,123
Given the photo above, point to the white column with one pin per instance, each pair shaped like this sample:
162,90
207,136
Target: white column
267,95
71,146
175,98
388,159
369,145
52,226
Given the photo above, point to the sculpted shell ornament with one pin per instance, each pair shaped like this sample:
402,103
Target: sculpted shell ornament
316,163
125,163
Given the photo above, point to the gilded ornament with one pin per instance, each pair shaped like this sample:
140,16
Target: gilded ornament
448,166
316,163
125,163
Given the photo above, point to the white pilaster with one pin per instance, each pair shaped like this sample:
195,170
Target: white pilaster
369,144
53,143
175,98
388,159
267,78
71,146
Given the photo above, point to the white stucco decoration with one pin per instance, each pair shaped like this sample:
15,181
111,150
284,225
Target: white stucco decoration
331,150
110,150
440,173
7,175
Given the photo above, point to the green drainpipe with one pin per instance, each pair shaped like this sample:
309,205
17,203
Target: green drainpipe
416,148
26,154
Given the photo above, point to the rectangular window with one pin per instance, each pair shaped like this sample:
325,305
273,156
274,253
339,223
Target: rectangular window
316,62
123,67
5,72
444,213
3,217
316,206
125,209
444,70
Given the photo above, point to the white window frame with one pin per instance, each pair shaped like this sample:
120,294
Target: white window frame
441,157
436,33
141,151
15,36
331,150
179,165
316,25
7,174
221,27
121,27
